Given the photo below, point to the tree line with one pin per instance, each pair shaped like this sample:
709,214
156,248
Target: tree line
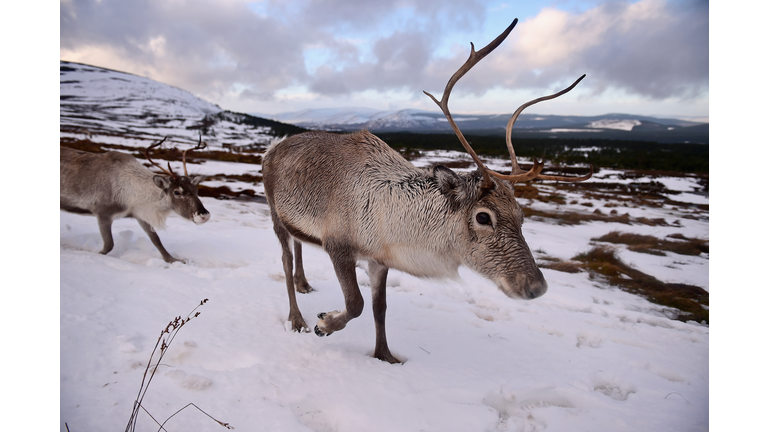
618,154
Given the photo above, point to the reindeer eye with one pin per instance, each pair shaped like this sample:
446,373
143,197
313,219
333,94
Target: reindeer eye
177,193
483,218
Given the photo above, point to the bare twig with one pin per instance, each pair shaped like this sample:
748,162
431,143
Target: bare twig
678,395
226,425
163,342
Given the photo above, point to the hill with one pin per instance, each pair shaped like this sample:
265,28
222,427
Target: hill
129,110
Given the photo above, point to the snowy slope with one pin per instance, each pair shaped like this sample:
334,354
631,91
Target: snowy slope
119,108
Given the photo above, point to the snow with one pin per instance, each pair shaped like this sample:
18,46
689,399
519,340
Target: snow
563,130
128,94
582,357
129,110
623,124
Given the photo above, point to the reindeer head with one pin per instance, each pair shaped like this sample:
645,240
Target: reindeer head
181,191
495,246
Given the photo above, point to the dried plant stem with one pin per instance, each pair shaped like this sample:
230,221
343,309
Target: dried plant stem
163,343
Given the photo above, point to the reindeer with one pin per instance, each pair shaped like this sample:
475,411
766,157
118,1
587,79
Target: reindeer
358,199
114,185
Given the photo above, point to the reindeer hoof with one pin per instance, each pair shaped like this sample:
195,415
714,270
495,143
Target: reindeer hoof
303,287
321,333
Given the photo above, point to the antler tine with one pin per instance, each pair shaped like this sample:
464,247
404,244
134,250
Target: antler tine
474,57
200,145
169,171
511,124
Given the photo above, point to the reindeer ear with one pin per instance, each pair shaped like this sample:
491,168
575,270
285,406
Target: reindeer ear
162,182
197,179
447,179
452,185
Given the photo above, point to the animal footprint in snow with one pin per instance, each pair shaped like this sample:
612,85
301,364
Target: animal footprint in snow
613,387
189,381
589,339
129,343
518,410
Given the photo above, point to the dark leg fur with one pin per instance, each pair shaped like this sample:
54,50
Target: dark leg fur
344,261
105,227
294,314
156,241
299,280
378,276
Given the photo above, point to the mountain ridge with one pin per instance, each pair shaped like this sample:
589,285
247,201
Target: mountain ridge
606,126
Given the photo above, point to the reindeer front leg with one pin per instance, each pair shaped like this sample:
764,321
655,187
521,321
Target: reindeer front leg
156,241
378,274
294,314
105,228
344,259
299,279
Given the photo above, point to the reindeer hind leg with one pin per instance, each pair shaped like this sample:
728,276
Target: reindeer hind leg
294,314
299,279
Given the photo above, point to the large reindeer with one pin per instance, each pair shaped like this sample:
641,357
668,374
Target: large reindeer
114,185
358,199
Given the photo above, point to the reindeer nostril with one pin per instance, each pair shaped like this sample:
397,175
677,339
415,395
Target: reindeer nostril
537,287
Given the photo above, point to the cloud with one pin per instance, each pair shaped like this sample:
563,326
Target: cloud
654,49
204,47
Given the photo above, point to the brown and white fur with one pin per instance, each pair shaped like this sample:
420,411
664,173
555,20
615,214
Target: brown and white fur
358,199
115,185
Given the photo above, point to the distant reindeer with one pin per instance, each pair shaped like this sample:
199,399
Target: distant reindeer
115,185
358,199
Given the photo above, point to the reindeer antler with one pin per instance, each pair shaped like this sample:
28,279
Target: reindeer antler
169,171
517,174
200,145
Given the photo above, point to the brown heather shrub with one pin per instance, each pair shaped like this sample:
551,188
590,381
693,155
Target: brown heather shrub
563,266
656,246
168,154
602,263
575,218
223,192
646,249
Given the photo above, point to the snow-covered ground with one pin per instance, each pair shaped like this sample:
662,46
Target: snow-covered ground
584,357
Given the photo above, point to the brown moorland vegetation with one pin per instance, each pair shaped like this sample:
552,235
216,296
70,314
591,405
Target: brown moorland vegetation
603,264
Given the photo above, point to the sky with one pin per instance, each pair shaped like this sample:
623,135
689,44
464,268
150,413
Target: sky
646,57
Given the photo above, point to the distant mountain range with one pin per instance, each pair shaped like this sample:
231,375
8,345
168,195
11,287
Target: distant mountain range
129,109
608,126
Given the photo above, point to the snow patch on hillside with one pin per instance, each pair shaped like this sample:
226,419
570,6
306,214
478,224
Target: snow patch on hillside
625,125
